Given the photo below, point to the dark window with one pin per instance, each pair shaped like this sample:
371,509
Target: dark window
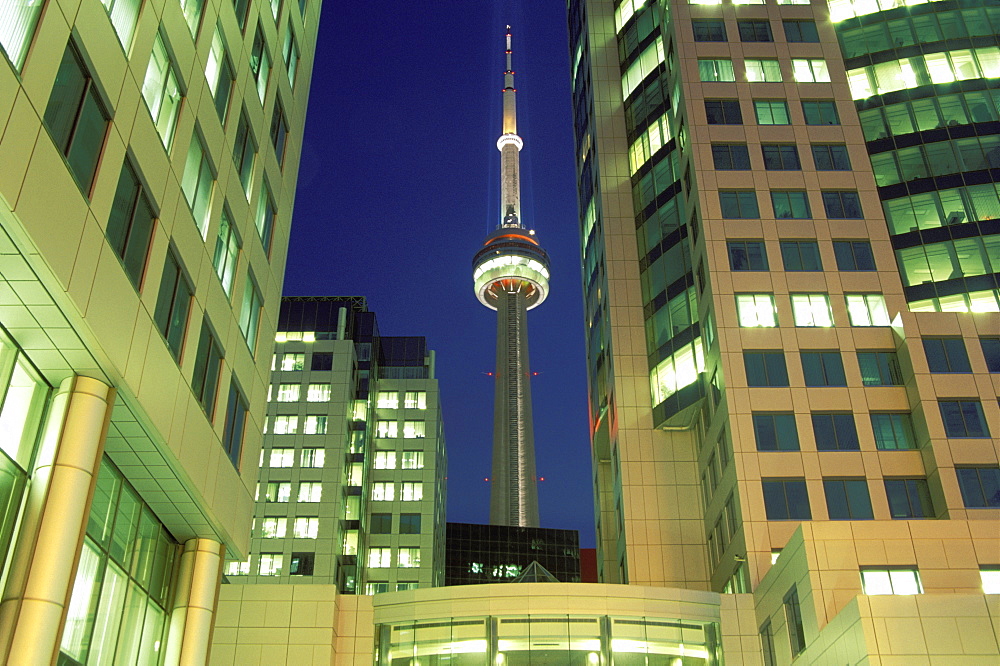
747,255
835,432
771,112
980,487
381,523
823,368
244,149
842,204
893,431
781,157
241,7
302,564
279,132
409,523
236,417
909,498
76,118
172,305
790,205
755,31
709,30
831,157
322,361
879,368
793,617
775,432
963,418
264,219
820,112
767,644
848,499
991,351
723,112
730,156
853,255
786,499
946,355
130,225
801,256
739,204
765,368
800,31
207,366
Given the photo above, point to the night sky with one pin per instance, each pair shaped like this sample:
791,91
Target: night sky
398,187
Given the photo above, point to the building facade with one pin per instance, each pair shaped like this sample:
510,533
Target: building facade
351,488
149,157
478,554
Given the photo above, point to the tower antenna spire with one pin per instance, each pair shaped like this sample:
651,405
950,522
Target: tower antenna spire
509,144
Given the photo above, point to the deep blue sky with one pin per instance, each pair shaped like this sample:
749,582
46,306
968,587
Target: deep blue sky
398,186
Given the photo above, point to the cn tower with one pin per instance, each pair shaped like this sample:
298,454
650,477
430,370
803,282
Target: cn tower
511,276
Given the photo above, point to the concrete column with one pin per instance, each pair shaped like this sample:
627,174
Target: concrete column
55,520
198,577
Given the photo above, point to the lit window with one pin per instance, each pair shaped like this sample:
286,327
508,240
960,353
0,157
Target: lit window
305,528
286,425
17,25
316,424
277,492
75,117
991,580
376,588
192,14
411,492
385,460
264,219
379,558
771,112
680,369
415,400
867,310
273,528
414,429
387,400
893,431
386,429
318,393
270,564
413,460
290,52
275,8
288,392
282,458
160,90
197,183
310,492
766,70
227,252
260,63
219,73
237,568
244,152
810,70
312,458
130,225
720,69
409,557
890,581
383,491
293,361
647,62
250,313
756,310
811,310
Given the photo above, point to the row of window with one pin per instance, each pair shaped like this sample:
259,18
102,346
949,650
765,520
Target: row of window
848,498
790,204
283,424
303,527
272,564
922,70
310,458
922,29
976,106
390,429
800,255
949,260
936,159
411,400
281,492
781,157
375,587
406,459
764,70
932,210
754,30
295,361
315,392
385,491
771,112
759,310
381,558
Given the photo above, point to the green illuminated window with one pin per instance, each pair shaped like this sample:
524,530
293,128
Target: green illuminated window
720,69
219,72
227,252
161,92
763,70
198,182
893,431
771,112
260,63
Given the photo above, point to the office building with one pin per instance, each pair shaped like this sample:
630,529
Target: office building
511,276
149,157
792,311
479,554
351,488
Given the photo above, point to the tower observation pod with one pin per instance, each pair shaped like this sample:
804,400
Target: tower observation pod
511,275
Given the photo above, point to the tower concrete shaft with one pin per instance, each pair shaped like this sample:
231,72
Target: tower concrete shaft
514,494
